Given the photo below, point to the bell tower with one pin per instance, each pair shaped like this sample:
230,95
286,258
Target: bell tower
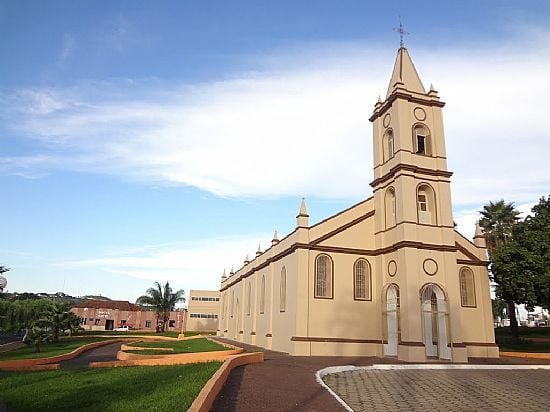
411,181
413,220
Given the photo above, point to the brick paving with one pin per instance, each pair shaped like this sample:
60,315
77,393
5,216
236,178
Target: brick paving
287,383
443,390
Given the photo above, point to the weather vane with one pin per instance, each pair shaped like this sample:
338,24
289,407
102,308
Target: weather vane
402,32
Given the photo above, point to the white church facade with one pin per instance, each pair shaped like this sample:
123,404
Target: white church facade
389,276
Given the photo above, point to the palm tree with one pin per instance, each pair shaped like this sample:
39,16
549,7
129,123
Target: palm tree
162,300
497,221
56,317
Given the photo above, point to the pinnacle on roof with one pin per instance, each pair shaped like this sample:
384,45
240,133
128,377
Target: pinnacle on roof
275,239
259,251
404,74
479,232
303,209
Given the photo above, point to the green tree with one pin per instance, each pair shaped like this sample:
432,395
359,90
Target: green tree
35,336
57,317
162,301
497,221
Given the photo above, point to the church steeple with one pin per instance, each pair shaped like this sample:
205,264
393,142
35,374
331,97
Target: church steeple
404,75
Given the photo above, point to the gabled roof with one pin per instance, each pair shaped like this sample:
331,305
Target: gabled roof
107,304
404,74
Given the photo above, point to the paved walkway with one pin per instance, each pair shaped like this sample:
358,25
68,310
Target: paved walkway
443,390
288,383
101,354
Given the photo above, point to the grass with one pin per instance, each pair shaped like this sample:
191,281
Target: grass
151,388
65,345
182,346
524,346
524,332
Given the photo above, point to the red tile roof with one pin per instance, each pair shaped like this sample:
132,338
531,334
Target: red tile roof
107,304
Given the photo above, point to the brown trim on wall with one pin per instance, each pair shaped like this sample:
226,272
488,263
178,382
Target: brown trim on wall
332,340
241,332
466,251
413,223
406,151
409,343
252,333
472,262
341,212
342,228
410,168
457,345
268,335
405,96
353,251
401,174
484,344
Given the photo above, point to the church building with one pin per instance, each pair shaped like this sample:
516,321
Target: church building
389,276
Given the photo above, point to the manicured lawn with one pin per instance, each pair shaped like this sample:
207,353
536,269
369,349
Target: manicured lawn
182,346
149,388
525,347
65,345
525,332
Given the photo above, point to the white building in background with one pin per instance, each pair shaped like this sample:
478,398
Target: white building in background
203,310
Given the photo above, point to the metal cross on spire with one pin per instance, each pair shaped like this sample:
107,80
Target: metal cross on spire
402,33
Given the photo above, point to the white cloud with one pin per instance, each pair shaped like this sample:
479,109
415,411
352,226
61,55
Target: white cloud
197,264
301,128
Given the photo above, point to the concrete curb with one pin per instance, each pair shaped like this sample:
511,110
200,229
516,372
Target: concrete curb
204,401
25,363
32,368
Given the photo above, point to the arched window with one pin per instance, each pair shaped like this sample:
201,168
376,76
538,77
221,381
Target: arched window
467,287
232,302
223,305
422,141
388,144
249,296
282,292
361,280
323,277
425,201
262,295
391,217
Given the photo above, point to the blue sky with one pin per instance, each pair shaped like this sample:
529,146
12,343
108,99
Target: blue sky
145,141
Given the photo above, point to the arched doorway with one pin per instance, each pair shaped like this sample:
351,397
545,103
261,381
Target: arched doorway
435,322
391,319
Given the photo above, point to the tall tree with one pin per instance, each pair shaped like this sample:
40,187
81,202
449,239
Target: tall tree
57,317
497,221
162,300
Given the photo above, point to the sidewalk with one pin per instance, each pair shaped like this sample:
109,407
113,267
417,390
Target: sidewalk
287,383
282,383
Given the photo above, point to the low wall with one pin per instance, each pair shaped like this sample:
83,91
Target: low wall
526,355
208,394
53,359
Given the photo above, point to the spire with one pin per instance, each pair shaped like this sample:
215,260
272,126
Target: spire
246,260
404,74
479,237
259,251
232,272
275,239
302,220
224,276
